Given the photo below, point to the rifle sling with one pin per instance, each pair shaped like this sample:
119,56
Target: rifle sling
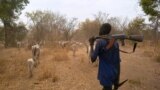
125,51
134,48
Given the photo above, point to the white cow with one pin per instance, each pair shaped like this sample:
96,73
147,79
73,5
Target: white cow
19,44
36,53
74,46
31,65
74,49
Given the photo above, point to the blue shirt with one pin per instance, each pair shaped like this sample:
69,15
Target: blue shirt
108,61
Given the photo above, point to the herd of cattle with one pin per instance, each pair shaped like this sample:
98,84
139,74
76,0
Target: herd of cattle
36,49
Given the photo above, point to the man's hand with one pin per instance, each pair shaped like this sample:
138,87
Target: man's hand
91,41
111,42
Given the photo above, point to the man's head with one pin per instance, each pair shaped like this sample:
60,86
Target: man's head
105,29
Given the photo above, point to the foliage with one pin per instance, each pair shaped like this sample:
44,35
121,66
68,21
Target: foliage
21,31
10,9
151,7
1,34
9,12
135,26
38,24
89,28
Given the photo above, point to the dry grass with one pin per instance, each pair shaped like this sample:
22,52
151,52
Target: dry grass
61,55
47,71
14,69
148,51
136,82
13,63
158,58
157,53
59,70
48,60
152,51
3,65
82,59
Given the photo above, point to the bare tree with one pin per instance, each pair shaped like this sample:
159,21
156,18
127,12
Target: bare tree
69,29
46,25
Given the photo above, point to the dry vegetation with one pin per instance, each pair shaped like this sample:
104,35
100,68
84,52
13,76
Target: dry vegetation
13,67
59,70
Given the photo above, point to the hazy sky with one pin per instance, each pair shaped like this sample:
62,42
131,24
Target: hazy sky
83,9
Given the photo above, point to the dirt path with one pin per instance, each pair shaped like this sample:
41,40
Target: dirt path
141,70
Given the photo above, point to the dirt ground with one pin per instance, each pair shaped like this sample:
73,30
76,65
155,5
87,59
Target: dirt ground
59,70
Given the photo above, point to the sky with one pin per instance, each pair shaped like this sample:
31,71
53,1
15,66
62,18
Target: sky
82,9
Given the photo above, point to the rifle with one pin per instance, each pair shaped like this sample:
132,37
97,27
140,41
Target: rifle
122,37
138,38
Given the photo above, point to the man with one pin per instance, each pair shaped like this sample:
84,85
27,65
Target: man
109,58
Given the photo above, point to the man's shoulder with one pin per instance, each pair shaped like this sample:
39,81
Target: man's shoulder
101,41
